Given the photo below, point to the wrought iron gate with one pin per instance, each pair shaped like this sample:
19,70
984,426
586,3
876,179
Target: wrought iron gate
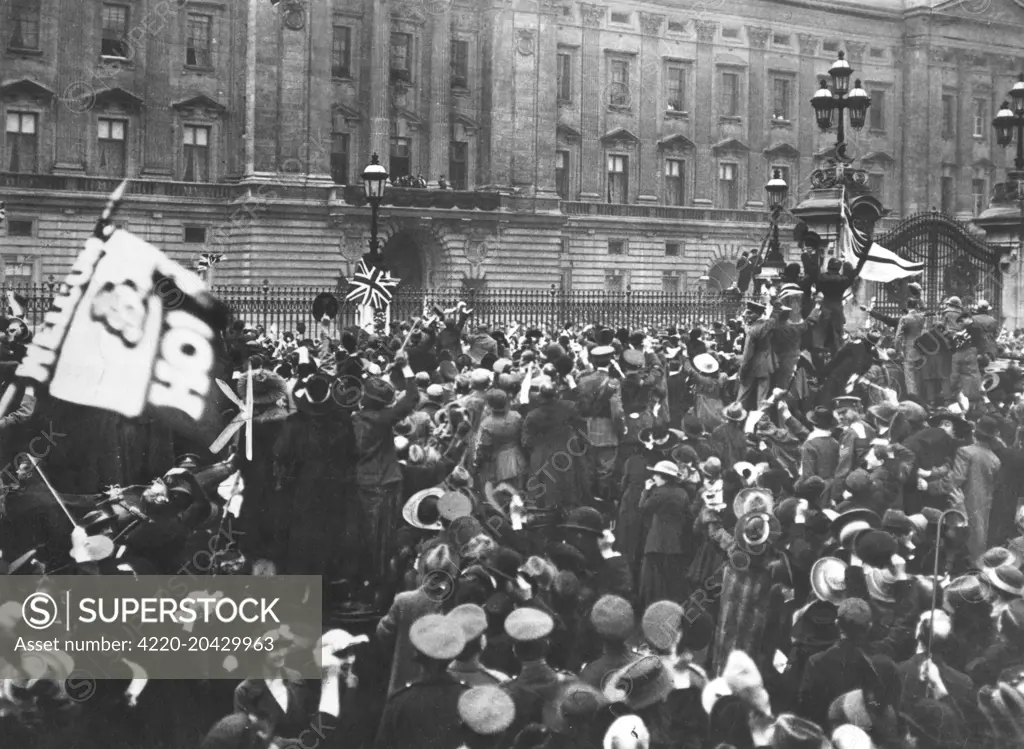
956,262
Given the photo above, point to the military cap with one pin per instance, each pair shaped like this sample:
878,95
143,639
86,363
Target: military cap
434,636
528,624
486,711
471,619
602,351
612,617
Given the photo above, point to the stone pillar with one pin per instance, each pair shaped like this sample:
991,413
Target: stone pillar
524,111
964,139
803,117
547,105
921,122
440,96
592,104
497,99
75,88
757,119
380,80
705,124
650,98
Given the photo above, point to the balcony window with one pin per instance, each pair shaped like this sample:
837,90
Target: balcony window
675,88
21,145
781,98
564,76
618,179
980,117
730,94
400,162
675,170
115,27
948,116
877,110
198,44
979,190
112,147
728,186
401,57
618,95
339,158
460,63
670,282
25,16
197,154
948,195
562,174
341,53
458,165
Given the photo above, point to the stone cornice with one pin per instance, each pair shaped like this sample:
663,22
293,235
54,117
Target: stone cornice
855,51
808,44
593,15
651,23
758,36
706,30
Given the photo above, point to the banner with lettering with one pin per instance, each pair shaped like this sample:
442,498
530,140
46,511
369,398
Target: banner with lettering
131,331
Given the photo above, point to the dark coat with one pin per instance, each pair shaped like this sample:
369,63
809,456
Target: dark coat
559,475
393,633
375,440
423,715
840,669
671,520
253,696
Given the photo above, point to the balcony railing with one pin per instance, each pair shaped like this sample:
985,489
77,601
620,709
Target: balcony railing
415,197
106,185
676,213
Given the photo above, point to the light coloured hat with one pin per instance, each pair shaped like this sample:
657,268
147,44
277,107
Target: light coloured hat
705,364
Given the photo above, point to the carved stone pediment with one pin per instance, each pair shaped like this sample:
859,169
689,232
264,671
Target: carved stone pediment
25,87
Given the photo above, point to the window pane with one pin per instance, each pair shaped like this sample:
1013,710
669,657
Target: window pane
197,45
28,124
190,136
25,16
202,136
341,52
104,128
117,130
676,94
13,122
877,110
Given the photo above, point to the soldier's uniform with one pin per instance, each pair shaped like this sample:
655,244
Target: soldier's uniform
473,621
759,362
475,674
599,401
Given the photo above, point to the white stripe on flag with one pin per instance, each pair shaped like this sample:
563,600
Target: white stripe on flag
882,265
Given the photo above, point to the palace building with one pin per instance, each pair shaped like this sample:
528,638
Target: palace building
583,145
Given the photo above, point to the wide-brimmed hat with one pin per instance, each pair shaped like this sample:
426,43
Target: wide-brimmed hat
881,584
705,364
990,382
692,426
753,499
757,531
1008,580
734,412
822,417
828,580
987,426
421,507
756,308
640,684
792,732
999,556
851,523
454,505
486,710
668,469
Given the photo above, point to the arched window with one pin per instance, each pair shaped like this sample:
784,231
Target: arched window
721,275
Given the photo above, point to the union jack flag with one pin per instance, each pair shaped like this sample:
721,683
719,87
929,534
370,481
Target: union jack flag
208,259
372,286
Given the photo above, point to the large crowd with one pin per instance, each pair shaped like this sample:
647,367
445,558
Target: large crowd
777,531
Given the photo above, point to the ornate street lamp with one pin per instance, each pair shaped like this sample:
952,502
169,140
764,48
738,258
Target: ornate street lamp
773,263
1008,123
374,178
829,104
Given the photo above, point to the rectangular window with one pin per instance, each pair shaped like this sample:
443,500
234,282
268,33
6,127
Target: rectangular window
978,191
567,11
458,165
781,40
460,63
564,76
112,147
197,154
728,186
616,247
562,174
730,32
618,182
675,171
948,116
198,44
195,235
675,88
670,282
21,144
671,249
678,27
618,92
19,228
25,16
831,45
341,52
401,57
339,158
877,110
730,97
614,282
980,117
619,17
781,90
876,183
400,163
948,195
115,27
877,52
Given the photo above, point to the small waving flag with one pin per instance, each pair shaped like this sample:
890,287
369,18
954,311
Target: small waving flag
3,211
372,286
208,259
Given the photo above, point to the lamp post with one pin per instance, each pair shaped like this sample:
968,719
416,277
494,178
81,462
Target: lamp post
829,104
374,178
773,262
1007,123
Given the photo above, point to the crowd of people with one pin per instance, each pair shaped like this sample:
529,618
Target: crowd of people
776,531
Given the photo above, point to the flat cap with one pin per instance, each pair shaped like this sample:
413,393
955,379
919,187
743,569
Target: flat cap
528,624
612,617
486,710
435,637
472,619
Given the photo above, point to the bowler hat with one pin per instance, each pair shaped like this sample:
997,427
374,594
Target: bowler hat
435,637
692,426
822,418
662,624
585,519
379,391
528,625
828,580
987,426
640,684
612,617
735,412
876,548
486,710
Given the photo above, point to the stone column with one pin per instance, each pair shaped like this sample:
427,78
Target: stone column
497,100
591,103
380,80
80,75
547,105
650,99
964,139
705,129
757,119
803,117
440,96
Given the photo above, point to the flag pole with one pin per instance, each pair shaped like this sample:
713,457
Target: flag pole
105,227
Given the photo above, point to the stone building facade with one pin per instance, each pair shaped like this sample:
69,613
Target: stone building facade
593,145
